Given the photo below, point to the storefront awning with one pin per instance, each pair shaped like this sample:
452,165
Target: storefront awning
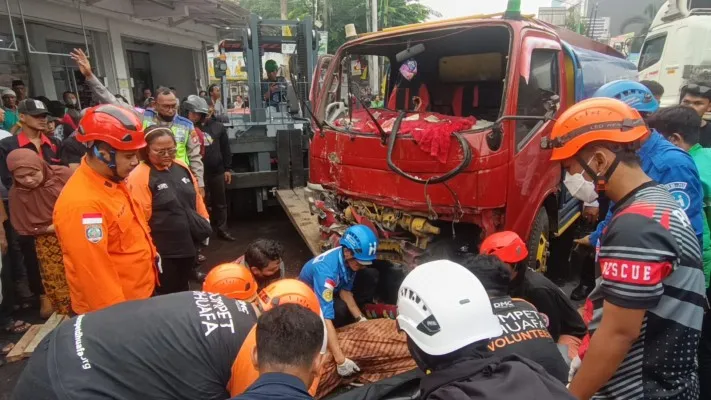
220,14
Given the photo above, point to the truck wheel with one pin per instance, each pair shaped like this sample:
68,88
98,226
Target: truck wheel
538,242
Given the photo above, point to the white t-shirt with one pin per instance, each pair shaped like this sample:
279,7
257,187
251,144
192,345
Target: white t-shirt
4,134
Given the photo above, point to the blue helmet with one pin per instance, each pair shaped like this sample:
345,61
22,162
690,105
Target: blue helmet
362,241
635,94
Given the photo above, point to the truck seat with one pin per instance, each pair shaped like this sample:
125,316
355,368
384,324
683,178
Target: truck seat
476,99
402,94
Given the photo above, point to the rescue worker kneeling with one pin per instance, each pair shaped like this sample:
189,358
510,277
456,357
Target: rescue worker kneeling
565,324
447,316
344,271
287,355
524,328
180,346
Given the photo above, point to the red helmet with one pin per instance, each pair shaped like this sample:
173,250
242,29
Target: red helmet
506,245
118,127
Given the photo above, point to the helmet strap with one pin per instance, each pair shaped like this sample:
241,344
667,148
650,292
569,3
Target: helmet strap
599,180
109,163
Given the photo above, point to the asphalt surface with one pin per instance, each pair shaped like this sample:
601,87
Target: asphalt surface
273,224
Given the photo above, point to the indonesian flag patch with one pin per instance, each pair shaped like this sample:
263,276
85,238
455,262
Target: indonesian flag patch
93,228
330,284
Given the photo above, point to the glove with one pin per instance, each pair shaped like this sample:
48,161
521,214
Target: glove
347,368
574,367
362,319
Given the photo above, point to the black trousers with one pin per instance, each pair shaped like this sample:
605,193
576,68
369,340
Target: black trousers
364,289
29,254
215,190
176,275
705,355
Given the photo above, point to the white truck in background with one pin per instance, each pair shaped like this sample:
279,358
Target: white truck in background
677,48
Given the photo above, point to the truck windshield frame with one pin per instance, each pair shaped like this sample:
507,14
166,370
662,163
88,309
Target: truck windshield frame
443,43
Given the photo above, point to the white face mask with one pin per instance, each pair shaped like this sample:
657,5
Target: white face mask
579,187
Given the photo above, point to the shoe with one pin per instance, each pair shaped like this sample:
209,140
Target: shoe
46,309
224,235
581,292
201,258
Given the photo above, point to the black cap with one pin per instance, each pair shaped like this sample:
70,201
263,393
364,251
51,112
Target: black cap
32,107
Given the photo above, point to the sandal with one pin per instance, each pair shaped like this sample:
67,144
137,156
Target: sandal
7,349
17,326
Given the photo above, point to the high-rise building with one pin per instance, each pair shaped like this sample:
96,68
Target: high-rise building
598,28
557,3
635,16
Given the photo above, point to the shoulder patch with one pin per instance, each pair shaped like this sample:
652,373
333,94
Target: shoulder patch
327,295
93,228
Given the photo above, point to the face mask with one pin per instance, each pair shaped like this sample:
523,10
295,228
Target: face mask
580,188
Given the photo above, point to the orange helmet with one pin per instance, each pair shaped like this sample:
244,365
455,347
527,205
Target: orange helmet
118,127
231,280
288,291
506,245
595,120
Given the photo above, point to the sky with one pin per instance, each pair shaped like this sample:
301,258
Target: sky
460,8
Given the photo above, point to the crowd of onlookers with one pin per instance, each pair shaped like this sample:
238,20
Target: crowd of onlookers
185,142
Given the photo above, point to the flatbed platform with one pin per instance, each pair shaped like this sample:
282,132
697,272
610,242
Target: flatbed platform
297,208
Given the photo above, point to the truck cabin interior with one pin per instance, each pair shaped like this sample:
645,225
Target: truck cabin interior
461,71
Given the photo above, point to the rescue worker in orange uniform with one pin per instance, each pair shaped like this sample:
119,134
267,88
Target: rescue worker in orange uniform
237,282
181,346
109,256
283,291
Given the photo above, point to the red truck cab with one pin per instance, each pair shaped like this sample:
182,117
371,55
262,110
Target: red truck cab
504,81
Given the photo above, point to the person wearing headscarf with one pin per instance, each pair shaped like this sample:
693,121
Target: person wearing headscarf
36,187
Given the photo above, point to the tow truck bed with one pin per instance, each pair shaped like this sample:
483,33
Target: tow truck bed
296,207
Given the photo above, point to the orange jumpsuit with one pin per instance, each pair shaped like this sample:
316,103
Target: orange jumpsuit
243,372
109,256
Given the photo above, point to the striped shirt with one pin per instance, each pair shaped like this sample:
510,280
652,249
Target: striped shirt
650,259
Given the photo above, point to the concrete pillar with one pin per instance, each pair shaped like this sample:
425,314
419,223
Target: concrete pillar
41,80
123,80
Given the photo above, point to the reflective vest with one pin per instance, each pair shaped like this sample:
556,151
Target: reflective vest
181,127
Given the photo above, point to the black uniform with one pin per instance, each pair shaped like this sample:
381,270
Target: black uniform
217,160
494,378
549,299
173,193
179,346
525,334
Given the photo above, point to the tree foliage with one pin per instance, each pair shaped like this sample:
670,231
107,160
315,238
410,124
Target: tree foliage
575,22
342,12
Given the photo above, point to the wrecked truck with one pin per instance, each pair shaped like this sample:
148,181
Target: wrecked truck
455,151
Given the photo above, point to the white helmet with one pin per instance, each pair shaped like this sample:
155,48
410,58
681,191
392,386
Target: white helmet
443,307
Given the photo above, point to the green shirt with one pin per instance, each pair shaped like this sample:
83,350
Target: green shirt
11,118
702,159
